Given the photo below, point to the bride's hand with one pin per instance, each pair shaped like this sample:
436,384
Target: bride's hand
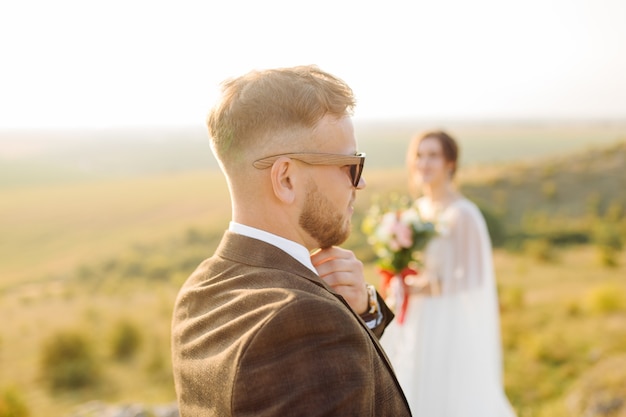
422,285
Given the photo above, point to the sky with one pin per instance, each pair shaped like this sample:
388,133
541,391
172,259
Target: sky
132,63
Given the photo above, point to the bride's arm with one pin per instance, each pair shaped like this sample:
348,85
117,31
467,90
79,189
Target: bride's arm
465,256
470,254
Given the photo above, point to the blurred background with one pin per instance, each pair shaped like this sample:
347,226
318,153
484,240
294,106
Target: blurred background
110,196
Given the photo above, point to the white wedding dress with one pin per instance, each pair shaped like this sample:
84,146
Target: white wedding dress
447,353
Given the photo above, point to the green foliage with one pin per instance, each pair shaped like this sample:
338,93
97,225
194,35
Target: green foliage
573,308
606,299
556,199
541,250
615,212
606,235
397,232
552,409
593,204
495,226
511,298
68,361
12,403
564,237
159,366
552,348
607,256
162,261
549,189
125,340
608,242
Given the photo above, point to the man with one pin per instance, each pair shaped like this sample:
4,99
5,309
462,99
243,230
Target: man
263,328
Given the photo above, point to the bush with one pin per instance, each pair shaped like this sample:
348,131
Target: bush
512,298
125,340
606,299
573,308
12,404
495,226
568,237
541,250
158,269
615,212
159,367
549,348
133,267
68,361
608,242
194,236
548,189
593,204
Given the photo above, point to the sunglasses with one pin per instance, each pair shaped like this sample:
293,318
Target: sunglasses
355,162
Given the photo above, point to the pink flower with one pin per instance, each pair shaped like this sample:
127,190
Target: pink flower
397,236
403,235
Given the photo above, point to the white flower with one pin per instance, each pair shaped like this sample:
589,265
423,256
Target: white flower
397,235
411,217
384,231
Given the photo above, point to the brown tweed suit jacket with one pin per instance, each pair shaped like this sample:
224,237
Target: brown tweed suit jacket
256,333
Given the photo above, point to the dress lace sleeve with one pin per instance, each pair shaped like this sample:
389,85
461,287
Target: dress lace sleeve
469,250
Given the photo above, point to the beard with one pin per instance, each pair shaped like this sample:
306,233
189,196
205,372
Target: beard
321,220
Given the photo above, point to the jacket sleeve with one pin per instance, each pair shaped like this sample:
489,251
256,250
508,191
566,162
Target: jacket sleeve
309,358
387,317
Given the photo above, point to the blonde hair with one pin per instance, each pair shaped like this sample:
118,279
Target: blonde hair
261,105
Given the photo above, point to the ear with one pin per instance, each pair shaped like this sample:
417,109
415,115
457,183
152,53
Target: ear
282,176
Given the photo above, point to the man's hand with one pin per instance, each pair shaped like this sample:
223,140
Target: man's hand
343,272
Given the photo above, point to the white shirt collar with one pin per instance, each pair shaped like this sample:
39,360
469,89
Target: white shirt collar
297,251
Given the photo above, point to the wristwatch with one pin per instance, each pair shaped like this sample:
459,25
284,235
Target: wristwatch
372,299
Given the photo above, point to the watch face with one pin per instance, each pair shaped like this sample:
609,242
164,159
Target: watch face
371,292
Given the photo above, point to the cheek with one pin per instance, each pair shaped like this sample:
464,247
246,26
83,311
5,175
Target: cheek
337,196
441,165
437,164
420,164
427,163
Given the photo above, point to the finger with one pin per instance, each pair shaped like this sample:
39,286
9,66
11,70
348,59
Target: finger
343,268
336,279
320,257
332,252
348,290
328,254
326,267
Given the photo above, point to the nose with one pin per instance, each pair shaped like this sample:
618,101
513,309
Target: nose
362,183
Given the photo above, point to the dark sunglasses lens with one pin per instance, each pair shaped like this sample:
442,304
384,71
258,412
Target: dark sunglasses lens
355,173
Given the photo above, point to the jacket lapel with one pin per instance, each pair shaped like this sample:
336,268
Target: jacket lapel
254,252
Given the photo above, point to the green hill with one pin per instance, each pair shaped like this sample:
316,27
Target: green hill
561,199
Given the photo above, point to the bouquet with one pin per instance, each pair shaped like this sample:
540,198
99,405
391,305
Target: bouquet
398,235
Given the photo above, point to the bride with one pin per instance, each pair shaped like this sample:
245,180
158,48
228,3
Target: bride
446,352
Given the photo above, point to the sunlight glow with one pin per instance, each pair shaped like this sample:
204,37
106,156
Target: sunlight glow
142,63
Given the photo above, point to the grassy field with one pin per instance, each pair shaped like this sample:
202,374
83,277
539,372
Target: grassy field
47,231
93,255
